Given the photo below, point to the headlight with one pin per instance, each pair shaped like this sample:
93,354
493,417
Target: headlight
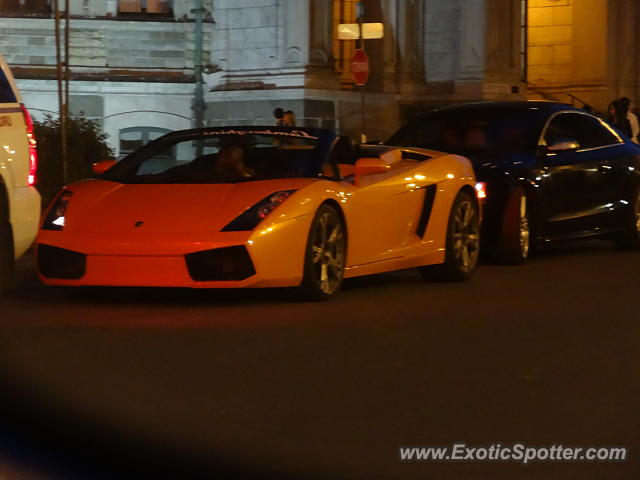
56,216
261,210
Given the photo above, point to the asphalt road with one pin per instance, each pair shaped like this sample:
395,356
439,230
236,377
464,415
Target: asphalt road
180,383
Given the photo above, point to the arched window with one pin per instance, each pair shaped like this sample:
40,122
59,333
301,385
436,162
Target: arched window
135,137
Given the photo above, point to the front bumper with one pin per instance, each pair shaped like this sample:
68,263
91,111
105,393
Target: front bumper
270,256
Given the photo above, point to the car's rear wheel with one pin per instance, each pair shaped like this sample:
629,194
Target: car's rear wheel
7,260
325,255
630,239
515,236
462,243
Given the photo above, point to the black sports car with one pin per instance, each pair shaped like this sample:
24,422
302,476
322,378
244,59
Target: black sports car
547,172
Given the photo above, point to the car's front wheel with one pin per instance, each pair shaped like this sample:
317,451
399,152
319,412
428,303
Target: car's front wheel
462,243
630,238
325,255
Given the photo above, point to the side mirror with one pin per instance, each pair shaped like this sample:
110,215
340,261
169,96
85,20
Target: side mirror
564,145
371,166
102,166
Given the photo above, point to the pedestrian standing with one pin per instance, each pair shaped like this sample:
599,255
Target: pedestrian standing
633,120
278,113
618,117
289,118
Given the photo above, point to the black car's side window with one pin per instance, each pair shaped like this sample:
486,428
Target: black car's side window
588,131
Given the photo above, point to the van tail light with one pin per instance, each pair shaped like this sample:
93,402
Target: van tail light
33,154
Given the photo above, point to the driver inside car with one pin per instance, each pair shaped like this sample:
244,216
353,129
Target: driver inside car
230,163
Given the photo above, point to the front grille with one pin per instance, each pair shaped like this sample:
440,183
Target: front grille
54,262
220,264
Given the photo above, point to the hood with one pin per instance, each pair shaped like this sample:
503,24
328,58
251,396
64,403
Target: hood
100,206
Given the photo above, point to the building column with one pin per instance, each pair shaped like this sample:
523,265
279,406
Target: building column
411,44
390,45
472,40
294,32
502,69
489,64
320,73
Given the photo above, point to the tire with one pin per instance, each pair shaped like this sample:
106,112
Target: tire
7,260
325,255
462,243
630,239
515,243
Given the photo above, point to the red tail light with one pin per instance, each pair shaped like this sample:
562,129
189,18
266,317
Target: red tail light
33,154
481,190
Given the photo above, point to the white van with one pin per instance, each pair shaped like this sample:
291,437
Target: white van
19,200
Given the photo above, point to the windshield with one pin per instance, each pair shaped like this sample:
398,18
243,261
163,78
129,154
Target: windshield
472,130
223,156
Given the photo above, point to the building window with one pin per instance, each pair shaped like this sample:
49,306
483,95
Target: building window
151,7
25,7
135,137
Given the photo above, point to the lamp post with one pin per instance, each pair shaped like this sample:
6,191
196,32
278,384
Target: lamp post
63,82
198,104
360,13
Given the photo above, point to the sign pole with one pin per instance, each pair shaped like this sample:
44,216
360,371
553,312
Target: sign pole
360,65
62,102
361,40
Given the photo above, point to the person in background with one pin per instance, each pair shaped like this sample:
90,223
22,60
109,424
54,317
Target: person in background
618,117
289,119
633,119
278,113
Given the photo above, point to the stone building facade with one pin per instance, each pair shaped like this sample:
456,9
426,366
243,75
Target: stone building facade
132,60
131,63
589,49
284,53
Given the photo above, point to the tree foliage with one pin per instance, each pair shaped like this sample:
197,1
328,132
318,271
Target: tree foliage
86,142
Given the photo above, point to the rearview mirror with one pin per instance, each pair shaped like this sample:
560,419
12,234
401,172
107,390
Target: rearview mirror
102,166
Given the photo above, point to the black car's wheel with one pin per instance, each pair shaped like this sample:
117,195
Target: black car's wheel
462,243
515,235
7,261
325,255
630,239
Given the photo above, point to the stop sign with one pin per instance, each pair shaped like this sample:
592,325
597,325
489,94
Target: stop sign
360,67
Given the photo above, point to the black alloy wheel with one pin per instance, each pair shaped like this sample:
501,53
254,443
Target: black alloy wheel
630,238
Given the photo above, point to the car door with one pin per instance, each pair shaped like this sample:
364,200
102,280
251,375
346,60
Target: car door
575,188
383,213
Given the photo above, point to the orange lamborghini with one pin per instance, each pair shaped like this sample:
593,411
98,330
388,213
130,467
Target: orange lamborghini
262,207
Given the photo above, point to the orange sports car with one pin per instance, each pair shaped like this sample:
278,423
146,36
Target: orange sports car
262,207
